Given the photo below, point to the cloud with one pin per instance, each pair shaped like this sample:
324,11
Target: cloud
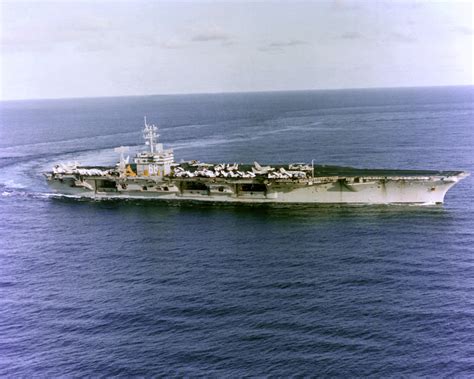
281,45
228,43
465,30
209,34
344,5
86,34
351,35
401,37
198,35
173,43
294,42
394,36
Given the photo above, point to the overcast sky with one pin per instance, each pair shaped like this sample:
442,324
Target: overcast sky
113,48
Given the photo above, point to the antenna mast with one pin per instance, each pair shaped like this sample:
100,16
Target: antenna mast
150,135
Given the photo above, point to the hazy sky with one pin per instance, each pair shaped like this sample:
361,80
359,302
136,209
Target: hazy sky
112,48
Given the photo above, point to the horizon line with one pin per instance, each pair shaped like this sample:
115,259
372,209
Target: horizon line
231,92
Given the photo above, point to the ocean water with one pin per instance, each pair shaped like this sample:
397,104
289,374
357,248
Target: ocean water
142,288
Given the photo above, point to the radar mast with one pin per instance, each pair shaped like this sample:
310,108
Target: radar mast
150,135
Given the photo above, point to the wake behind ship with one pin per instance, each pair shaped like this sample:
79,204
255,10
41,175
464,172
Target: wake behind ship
154,174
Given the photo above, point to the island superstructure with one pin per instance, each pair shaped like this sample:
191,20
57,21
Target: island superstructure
154,174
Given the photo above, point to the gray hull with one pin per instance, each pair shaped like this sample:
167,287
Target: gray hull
350,190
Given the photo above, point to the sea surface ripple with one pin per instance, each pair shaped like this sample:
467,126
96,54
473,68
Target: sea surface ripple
143,288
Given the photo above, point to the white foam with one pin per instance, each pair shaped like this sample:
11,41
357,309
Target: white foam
12,184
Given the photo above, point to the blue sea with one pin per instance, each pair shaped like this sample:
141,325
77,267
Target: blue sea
143,288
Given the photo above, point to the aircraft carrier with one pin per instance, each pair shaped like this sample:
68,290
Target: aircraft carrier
154,174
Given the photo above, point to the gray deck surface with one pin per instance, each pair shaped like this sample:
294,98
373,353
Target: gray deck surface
323,170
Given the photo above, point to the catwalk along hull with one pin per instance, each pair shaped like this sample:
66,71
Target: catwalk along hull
154,174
